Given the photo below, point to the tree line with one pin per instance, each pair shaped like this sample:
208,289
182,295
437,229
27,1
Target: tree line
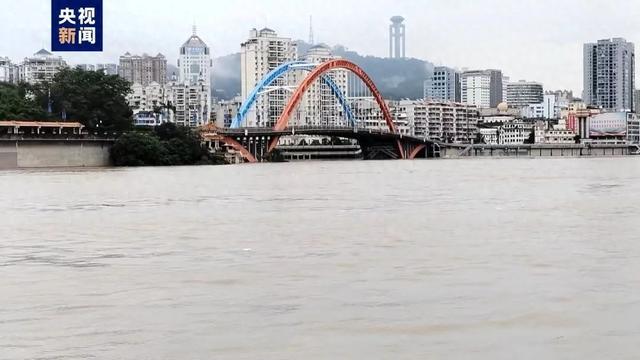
98,101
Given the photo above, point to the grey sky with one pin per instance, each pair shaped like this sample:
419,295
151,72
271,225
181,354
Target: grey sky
538,40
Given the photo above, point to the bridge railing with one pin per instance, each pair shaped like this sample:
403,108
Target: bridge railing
304,128
318,130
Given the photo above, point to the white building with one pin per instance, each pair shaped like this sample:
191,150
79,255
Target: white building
505,80
191,103
149,104
551,107
633,129
452,122
226,111
191,94
545,134
367,113
111,69
533,111
515,132
443,121
483,89
42,66
8,71
146,98
147,118
489,135
194,62
262,53
554,136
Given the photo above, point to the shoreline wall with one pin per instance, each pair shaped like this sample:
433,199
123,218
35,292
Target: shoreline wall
19,154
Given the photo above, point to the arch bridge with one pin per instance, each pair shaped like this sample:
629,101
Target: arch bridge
362,114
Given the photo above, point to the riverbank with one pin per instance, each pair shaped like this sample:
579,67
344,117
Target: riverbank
539,150
54,153
78,153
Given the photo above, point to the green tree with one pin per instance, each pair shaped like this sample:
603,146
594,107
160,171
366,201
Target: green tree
15,105
167,145
184,142
168,131
138,149
92,98
479,139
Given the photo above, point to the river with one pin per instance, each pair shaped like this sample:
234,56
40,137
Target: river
434,259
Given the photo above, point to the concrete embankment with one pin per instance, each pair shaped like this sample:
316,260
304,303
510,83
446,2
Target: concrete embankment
45,153
538,150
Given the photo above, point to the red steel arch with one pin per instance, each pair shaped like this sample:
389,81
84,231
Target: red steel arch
295,99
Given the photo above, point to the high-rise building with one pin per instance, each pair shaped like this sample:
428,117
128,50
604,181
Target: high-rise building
524,93
397,38
194,62
262,53
192,102
319,106
564,96
505,80
482,88
143,69
42,66
551,107
109,69
149,104
189,94
9,72
443,85
609,71
146,98
636,101
86,67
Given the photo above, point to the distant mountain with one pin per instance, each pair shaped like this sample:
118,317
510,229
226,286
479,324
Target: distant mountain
395,78
226,77
171,70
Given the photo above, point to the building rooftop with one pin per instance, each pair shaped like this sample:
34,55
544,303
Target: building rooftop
46,124
194,41
320,46
43,52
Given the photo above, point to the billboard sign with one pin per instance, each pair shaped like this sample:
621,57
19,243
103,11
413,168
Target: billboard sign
608,124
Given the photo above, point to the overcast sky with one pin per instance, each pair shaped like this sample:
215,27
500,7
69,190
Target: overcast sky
538,40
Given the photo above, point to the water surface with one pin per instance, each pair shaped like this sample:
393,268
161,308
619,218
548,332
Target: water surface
469,259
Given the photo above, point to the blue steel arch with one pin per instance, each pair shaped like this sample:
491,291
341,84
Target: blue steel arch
276,74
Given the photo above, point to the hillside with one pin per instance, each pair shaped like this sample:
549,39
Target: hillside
395,78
